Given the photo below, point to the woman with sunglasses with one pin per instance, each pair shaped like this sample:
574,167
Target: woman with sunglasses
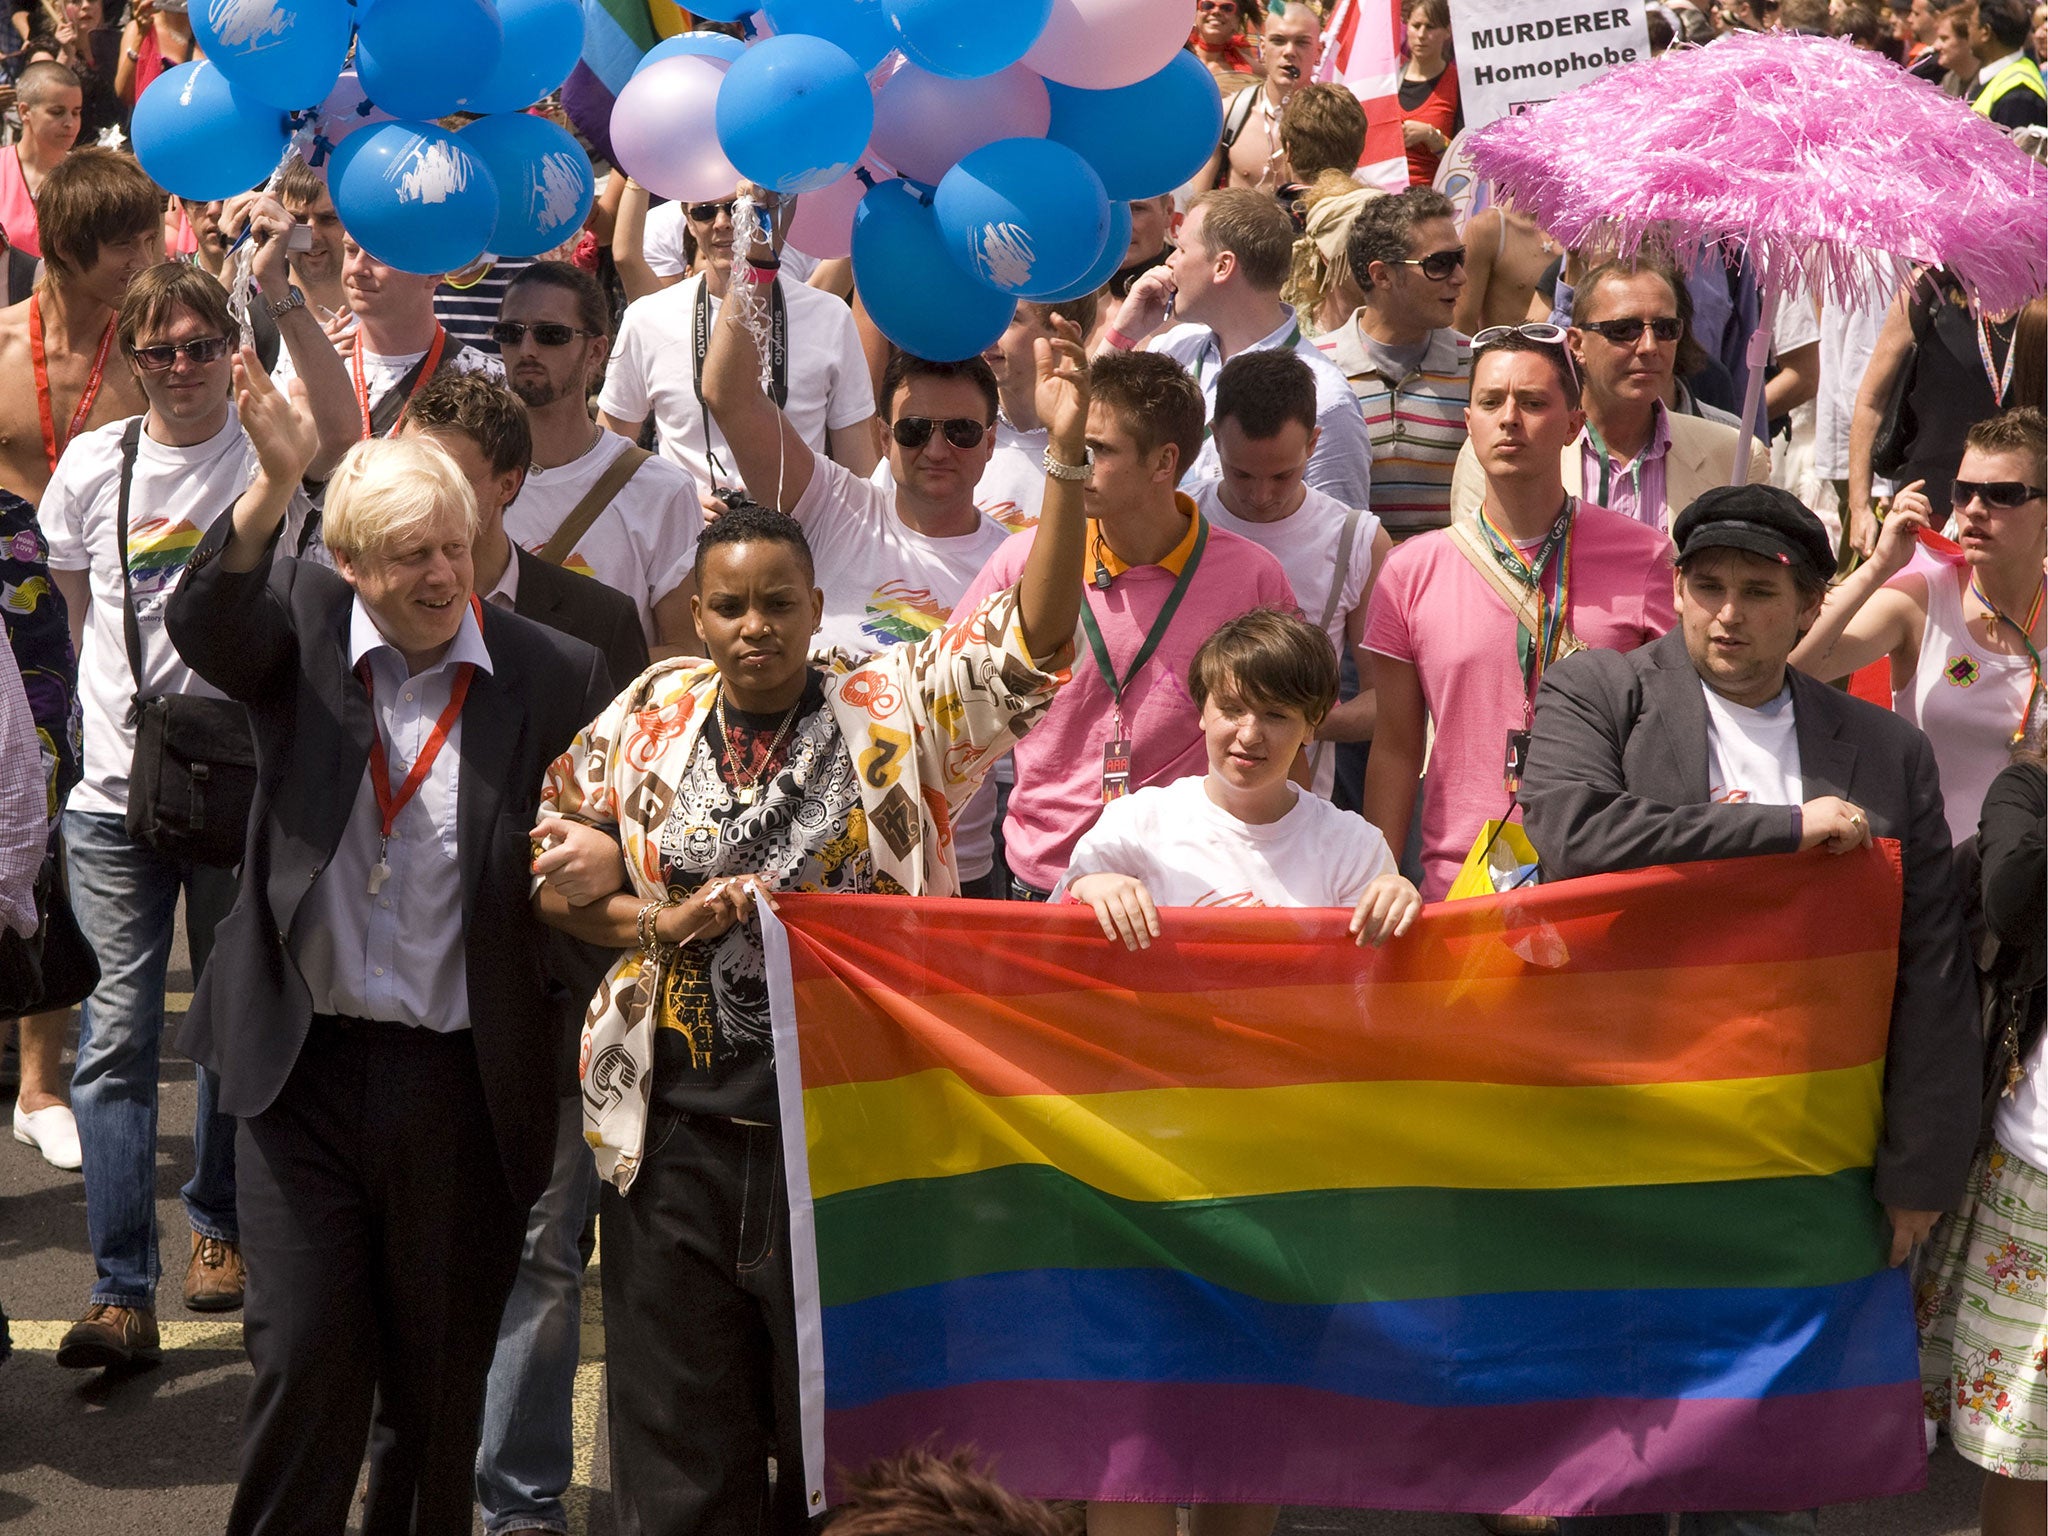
724,782
1965,631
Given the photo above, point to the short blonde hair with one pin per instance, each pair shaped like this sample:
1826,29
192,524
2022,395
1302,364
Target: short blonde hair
388,490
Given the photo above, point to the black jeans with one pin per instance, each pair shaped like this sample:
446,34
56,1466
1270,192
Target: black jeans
700,1335
381,1241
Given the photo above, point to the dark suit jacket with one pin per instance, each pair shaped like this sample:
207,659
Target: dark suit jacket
594,613
276,638
1617,779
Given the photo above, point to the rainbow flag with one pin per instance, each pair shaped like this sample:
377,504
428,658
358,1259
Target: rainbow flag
1561,1204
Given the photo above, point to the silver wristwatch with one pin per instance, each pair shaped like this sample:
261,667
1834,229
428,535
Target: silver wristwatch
1063,471
292,300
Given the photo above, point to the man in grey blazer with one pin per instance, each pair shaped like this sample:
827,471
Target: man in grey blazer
1706,745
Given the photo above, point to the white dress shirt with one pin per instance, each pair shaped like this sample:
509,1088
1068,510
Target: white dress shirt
396,955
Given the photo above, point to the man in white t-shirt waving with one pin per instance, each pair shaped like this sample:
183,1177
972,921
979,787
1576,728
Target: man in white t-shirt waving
123,514
1265,432
1706,745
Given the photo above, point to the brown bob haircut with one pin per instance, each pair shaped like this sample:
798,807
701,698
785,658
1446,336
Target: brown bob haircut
482,410
1322,128
1155,400
160,292
1267,657
93,198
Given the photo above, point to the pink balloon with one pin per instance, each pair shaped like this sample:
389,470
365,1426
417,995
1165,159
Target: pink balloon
1100,45
665,129
924,122
345,111
822,225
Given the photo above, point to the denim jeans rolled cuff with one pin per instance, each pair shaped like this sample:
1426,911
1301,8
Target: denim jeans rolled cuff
526,1455
125,897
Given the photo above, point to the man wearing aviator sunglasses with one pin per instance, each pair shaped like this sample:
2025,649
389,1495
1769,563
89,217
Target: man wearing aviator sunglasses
1634,456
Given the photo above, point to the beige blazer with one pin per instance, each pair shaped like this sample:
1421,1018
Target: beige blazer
1700,454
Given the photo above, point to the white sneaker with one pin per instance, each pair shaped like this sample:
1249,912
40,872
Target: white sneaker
51,1132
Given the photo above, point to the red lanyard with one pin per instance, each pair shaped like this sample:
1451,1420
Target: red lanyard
390,803
51,447
427,367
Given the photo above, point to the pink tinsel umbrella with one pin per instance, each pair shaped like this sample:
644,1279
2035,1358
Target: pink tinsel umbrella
1829,166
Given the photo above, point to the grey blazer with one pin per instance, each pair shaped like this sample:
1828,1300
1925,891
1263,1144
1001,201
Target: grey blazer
1617,779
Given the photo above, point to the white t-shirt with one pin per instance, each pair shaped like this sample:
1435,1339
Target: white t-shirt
1752,754
177,494
1190,852
661,244
883,581
1012,489
1305,543
654,369
641,544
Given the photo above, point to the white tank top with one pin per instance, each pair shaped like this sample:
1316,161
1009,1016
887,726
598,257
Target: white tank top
1966,698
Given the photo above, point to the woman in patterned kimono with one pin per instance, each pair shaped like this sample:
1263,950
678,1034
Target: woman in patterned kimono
760,772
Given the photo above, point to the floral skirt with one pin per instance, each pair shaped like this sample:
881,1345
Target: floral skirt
1983,1314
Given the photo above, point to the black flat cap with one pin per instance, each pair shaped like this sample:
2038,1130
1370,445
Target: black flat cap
1761,519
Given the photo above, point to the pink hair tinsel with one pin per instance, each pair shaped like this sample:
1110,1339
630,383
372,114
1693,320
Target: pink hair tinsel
1831,167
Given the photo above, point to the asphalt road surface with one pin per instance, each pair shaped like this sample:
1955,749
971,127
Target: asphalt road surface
153,1454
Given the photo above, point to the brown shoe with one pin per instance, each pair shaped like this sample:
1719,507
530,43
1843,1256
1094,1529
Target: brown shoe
215,1277
108,1337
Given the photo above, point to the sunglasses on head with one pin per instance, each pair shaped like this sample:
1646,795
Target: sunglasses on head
704,213
1437,265
201,350
1626,333
2002,494
1540,331
548,333
916,431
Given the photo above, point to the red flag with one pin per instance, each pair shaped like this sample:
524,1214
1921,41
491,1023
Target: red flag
1361,49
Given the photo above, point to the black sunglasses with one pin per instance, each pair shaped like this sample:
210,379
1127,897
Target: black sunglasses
204,349
916,431
549,333
2002,494
1626,333
704,213
1437,265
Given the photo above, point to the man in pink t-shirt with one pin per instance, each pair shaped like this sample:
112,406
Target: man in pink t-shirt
1444,643
1161,580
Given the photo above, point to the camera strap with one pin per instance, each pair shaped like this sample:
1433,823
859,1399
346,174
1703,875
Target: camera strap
700,347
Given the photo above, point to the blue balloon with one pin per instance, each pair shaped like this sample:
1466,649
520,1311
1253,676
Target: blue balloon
414,196
861,27
794,113
1114,245
543,40
426,58
1147,138
544,181
913,289
714,45
283,53
1023,215
966,39
200,137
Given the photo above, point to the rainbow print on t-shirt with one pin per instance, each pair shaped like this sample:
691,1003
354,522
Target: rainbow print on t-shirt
898,612
157,553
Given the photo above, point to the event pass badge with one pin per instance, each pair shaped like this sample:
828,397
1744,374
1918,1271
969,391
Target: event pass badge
1116,770
1515,760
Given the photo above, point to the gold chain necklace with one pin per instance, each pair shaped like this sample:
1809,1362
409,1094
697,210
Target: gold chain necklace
747,787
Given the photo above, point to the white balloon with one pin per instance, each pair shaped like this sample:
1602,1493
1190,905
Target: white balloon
665,129
924,122
1100,45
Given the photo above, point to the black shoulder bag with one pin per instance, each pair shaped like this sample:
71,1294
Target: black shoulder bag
1898,426
193,779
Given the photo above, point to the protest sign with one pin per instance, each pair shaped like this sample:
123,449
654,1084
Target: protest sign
1516,54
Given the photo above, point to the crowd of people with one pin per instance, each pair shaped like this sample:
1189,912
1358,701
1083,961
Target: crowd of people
472,656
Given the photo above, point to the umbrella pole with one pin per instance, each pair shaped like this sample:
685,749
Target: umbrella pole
1753,389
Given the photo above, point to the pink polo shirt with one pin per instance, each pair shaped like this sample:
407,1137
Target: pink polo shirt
1431,609
1058,793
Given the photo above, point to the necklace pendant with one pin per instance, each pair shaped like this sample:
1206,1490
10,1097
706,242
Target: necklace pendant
745,796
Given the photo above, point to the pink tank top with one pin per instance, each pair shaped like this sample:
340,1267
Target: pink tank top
17,208
1966,698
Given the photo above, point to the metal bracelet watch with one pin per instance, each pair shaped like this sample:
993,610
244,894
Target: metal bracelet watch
1060,470
292,300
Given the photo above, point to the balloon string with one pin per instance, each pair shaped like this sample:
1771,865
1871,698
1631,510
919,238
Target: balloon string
750,229
238,290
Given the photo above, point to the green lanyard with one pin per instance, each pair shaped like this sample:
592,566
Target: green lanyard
1635,470
1152,637
1538,651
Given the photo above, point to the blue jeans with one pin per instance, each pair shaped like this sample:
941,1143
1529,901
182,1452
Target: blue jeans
125,898
1798,1522
526,1456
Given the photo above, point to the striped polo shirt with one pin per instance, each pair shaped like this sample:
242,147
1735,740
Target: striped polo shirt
1416,422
